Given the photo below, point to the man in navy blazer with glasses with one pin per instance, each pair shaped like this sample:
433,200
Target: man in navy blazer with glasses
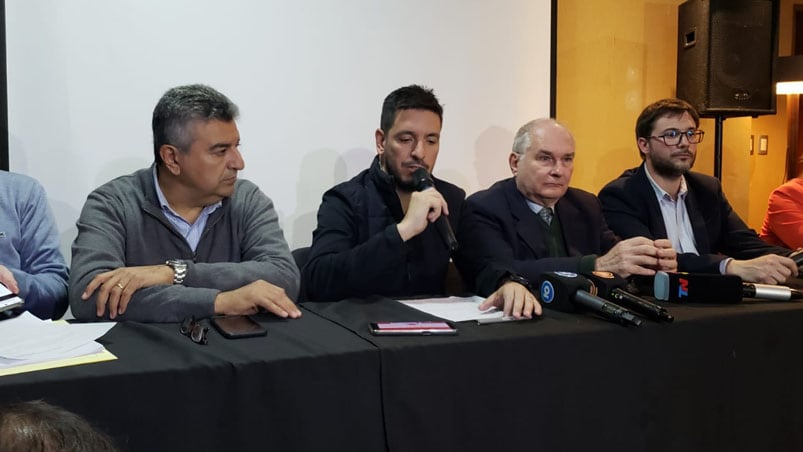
663,199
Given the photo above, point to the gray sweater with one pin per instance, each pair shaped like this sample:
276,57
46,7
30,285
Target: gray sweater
122,224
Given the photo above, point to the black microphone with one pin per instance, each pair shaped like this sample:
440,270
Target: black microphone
422,181
697,288
770,292
565,291
797,256
610,286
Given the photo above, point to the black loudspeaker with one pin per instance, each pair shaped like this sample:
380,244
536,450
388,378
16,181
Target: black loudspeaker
726,56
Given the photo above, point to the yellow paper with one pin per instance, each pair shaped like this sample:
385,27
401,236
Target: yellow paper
104,355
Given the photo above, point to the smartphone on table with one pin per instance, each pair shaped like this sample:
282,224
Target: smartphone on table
412,328
238,326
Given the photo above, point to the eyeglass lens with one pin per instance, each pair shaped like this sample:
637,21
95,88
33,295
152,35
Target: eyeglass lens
194,330
674,137
198,334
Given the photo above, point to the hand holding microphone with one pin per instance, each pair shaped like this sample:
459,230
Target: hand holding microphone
426,206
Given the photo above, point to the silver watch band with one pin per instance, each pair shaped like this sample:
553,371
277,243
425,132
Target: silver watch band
179,270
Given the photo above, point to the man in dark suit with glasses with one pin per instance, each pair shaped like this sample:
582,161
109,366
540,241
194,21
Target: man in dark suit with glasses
663,198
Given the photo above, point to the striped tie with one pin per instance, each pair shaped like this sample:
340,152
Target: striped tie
546,214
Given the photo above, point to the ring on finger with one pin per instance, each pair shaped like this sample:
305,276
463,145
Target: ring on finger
121,285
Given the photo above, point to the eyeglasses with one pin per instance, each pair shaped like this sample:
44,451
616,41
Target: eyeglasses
672,137
194,330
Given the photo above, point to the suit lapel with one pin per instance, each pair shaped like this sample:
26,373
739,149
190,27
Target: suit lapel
697,221
528,224
654,216
573,224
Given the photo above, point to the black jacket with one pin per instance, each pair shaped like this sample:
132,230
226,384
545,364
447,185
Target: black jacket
631,209
357,251
500,230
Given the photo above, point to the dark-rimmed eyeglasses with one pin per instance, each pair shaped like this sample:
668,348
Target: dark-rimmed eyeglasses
194,330
672,137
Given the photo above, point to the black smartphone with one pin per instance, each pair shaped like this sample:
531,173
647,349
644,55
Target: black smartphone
238,326
412,328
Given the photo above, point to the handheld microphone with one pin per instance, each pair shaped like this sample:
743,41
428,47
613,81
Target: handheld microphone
422,181
771,292
565,291
610,286
697,288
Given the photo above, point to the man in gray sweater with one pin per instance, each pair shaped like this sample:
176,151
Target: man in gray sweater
185,236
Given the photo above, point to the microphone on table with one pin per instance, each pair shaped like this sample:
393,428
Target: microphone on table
423,181
565,291
771,292
611,287
697,288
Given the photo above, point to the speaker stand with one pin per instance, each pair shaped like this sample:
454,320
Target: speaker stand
718,147
793,149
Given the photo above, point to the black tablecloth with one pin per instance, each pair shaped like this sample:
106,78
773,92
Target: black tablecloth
308,385
720,378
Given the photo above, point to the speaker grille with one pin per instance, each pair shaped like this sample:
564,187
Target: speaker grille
725,56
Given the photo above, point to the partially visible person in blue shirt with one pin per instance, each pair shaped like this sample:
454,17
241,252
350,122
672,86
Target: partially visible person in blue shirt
31,263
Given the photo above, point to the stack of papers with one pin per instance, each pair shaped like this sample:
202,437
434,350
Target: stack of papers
28,343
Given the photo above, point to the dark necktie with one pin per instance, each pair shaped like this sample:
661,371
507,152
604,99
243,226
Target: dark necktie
546,214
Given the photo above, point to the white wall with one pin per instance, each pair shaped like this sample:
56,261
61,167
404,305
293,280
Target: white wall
309,77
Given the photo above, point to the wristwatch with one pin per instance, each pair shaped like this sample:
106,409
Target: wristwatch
516,278
179,270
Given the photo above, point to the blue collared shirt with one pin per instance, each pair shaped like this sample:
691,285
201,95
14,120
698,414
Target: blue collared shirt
29,245
535,207
190,232
676,219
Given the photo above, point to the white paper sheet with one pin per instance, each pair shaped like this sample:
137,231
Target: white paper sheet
26,339
456,309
